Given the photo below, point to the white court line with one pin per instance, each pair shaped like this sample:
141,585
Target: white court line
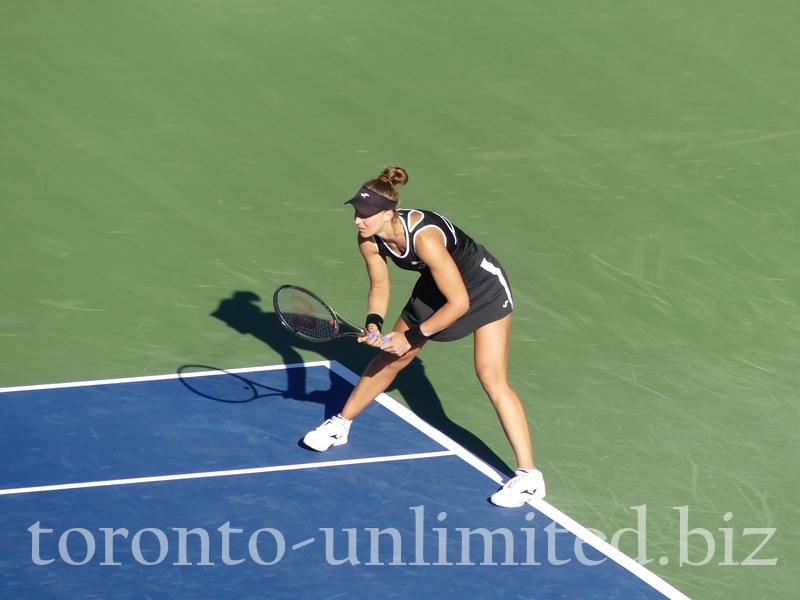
146,378
412,419
610,551
229,473
453,448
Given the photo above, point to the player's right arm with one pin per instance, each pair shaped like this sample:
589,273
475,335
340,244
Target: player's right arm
379,286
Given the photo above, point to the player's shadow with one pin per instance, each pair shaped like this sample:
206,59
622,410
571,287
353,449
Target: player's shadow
242,313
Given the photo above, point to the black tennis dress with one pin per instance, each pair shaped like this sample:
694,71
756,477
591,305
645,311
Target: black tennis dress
486,281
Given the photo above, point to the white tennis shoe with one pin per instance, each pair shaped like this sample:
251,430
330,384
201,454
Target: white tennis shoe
332,432
527,485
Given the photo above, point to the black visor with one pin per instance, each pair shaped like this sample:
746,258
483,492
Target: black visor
369,203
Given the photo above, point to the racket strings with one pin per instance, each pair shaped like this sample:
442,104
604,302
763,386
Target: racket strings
306,315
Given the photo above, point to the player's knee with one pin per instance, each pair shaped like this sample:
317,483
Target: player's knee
494,383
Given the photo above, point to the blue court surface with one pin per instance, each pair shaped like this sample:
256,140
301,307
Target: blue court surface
179,487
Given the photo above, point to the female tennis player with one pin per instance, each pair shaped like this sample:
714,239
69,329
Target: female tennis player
462,289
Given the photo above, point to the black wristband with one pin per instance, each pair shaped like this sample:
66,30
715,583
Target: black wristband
374,319
415,336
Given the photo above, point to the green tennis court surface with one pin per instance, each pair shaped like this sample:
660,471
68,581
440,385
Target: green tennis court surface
165,165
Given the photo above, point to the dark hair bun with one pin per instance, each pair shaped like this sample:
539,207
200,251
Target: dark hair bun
394,176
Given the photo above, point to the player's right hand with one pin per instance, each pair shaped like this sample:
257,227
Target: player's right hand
376,340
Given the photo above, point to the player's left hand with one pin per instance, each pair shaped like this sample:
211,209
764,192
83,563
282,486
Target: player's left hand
397,344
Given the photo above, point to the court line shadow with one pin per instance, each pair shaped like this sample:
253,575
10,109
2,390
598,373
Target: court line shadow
242,313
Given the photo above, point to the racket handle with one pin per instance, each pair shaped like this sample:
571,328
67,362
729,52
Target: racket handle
371,335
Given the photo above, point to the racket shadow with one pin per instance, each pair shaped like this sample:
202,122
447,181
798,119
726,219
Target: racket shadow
242,313
224,386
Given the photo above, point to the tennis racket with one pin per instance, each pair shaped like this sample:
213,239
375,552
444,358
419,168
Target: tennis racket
224,386
307,316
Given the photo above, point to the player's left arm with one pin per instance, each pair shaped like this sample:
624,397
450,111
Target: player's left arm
429,244
431,249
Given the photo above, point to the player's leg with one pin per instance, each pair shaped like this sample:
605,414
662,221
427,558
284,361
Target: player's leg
491,366
377,377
